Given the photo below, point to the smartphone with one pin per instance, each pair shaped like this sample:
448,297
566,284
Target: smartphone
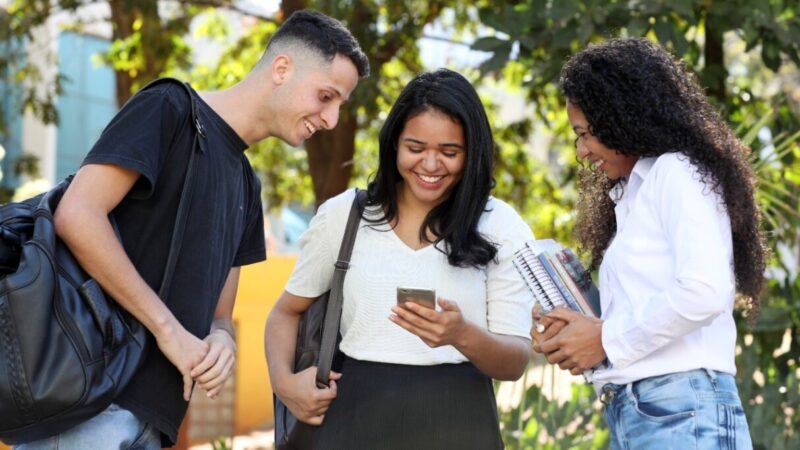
420,296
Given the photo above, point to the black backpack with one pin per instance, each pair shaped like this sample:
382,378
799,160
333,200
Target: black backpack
66,349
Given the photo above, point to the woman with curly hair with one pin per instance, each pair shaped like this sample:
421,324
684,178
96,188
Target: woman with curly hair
667,212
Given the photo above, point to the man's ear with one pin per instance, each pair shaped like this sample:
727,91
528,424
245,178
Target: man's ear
282,67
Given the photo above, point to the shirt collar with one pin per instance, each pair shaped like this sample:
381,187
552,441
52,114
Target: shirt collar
638,174
642,167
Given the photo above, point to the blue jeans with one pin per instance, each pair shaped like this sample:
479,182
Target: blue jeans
114,428
699,409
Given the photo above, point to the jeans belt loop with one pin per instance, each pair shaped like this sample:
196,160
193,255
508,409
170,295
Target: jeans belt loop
712,375
607,394
629,390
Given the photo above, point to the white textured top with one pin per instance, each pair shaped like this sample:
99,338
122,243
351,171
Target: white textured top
494,297
666,281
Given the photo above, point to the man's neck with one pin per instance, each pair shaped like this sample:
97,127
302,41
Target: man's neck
238,107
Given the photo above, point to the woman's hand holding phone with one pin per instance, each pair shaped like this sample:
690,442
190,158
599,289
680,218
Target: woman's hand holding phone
435,328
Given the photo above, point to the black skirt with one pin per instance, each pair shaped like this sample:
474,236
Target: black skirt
394,406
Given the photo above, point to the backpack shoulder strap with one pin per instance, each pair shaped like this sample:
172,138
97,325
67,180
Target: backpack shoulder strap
186,191
333,314
198,124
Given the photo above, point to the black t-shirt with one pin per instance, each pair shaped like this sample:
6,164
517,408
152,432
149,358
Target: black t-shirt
153,135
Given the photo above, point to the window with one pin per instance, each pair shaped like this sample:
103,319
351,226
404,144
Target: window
87,102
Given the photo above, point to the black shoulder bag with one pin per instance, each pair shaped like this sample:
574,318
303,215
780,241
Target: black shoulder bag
66,348
318,338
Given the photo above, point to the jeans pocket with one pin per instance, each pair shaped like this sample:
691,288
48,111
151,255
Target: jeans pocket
673,401
733,430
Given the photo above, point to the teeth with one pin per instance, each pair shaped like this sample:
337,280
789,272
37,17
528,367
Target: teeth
429,179
599,162
309,126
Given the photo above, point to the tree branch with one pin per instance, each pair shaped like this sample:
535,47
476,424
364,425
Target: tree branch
230,6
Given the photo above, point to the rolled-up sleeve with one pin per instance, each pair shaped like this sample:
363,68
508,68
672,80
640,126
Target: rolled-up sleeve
509,301
314,268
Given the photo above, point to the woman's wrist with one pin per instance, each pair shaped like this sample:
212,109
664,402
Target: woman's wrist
467,337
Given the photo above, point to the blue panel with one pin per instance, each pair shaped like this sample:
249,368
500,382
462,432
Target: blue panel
10,101
87,103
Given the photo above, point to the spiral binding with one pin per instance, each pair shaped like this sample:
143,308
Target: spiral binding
537,279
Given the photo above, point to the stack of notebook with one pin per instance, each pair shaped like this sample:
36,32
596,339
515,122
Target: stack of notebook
557,278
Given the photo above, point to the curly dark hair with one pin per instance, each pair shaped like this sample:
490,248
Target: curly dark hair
640,100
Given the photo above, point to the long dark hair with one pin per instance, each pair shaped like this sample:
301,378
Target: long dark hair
455,220
640,100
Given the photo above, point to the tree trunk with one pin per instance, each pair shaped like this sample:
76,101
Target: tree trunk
123,15
290,6
330,158
715,72
122,19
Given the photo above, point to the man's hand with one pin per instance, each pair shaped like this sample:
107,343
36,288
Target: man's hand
217,366
299,392
435,328
184,350
578,346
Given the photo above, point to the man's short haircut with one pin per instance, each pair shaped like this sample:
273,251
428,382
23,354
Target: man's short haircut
320,34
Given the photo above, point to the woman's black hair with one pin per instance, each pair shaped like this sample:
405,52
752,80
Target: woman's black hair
640,100
455,220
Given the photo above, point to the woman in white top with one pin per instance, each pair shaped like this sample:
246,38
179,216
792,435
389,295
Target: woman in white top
414,377
669,209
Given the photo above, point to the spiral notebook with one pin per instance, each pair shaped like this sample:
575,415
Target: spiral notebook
557,278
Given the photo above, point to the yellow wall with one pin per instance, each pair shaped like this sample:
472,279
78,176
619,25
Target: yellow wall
260,285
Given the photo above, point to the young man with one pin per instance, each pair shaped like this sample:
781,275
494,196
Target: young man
136,169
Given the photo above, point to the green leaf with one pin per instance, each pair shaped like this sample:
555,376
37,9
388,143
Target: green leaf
685,8
638,26
562,38
563,9
663,30
490,44
770,54
498,60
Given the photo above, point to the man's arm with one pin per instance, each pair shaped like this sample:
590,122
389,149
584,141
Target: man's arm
81,220
215,369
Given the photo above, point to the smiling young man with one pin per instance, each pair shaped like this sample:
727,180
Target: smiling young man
136,170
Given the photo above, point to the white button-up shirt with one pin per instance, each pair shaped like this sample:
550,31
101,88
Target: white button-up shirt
667,282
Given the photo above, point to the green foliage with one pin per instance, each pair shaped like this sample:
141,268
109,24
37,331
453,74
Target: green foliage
540,35
541,421
768,370
222,443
